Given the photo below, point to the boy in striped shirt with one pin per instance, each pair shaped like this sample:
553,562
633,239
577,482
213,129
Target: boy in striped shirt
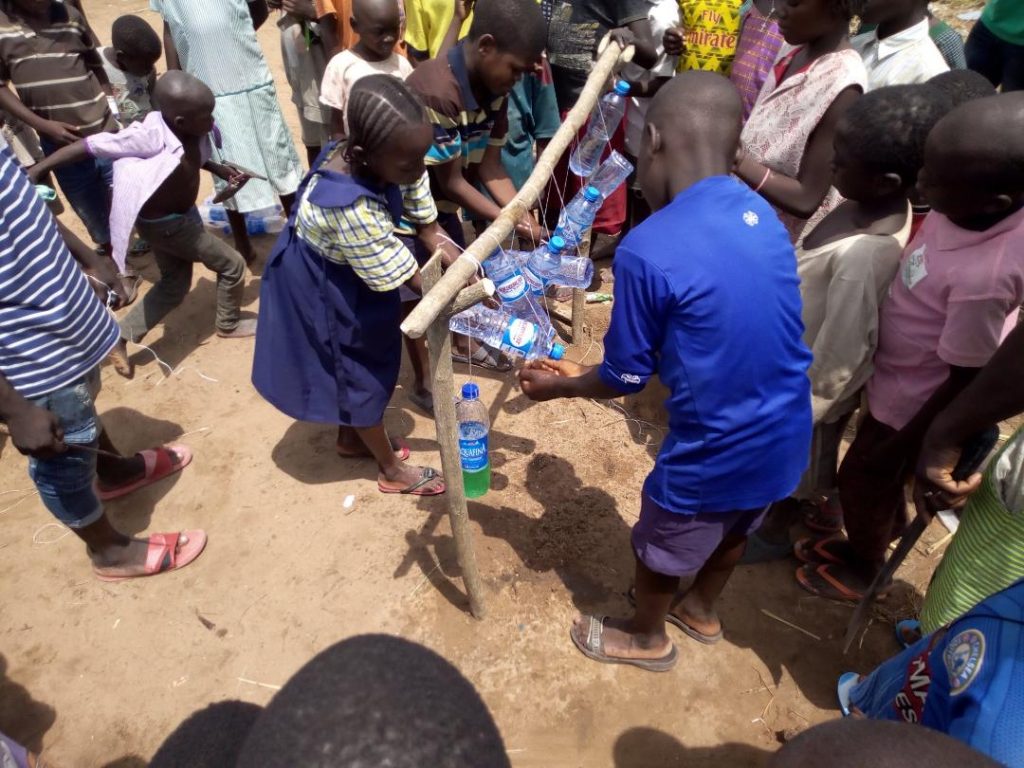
47,52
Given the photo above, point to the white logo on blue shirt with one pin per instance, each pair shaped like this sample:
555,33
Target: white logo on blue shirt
630,378
751,219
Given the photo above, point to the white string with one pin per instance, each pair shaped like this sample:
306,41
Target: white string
38,541
12,506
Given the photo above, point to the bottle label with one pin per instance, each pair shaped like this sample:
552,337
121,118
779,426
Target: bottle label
535,283
513,287
519,337
473,452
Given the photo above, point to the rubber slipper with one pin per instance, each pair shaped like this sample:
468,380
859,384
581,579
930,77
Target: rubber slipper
905,627
164,555
418,488
159,465
843,688
131,280
398,445
678,623
833,551
139,245
761,550
592,646
820,520
819,580
484,357
425,402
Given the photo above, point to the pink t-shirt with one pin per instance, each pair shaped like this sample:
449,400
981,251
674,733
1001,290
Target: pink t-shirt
345,68
954,299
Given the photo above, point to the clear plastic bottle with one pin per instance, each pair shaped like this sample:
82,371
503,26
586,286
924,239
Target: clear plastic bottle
542,262
513,290
603,123
578,216
474,425
512,335
612,173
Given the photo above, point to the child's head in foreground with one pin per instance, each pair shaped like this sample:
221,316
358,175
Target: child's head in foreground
879,143
974,162
505,42
388,135
185,103
963,85
805,21
136,46
378,25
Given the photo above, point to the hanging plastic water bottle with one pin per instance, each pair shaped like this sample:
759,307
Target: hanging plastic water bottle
512,335
474,425
265,221
578,216
611,174
542,262
603,124
512,288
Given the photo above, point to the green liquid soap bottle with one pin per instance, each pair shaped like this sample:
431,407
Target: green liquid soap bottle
474,425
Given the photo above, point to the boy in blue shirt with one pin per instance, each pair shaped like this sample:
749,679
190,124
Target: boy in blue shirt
707,297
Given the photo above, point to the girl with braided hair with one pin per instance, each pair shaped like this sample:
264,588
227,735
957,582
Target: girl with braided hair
330,347
786,142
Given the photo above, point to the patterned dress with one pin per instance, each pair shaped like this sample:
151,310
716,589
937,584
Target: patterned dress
785,115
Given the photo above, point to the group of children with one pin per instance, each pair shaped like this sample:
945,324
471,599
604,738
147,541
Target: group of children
852,210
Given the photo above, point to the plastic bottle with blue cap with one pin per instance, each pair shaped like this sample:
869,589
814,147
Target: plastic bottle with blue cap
603,123
548,265
474,428
512,335
578,216
504,270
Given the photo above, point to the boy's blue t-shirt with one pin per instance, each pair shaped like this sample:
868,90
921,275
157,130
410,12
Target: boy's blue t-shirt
707,297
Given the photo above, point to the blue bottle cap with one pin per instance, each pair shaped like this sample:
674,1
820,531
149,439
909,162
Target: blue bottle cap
592,193
557,352
470,391
556,243
622,88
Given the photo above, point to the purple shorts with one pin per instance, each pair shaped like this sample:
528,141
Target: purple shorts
676,544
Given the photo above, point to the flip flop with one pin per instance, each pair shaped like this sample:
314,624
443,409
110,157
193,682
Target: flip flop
592,646
158,466
424,402
163,554
830,551
398,445
820,520
678,623
846,682
417,489
906,626
819,580
485,357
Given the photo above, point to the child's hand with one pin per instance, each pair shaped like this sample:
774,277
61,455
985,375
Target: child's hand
106,283
36,432
623,36
235,178
463,8
673,42
538,381
302,8
58,132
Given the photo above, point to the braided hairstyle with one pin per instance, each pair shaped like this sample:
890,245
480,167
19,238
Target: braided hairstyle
377,106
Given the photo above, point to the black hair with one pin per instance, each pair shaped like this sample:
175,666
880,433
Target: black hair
886,129
134,37
963,85
848,8
517,26
376,700
982,141
377,105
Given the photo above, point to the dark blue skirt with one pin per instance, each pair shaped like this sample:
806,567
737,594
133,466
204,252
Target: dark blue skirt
328,349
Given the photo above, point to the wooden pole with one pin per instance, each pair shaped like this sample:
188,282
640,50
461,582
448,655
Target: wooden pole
441,294
439,342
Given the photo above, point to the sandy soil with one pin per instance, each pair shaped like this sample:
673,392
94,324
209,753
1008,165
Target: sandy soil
100,675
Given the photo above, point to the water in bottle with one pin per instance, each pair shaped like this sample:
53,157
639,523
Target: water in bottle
603,123
542,262
513,290
611,174
474,425
578,216
512,335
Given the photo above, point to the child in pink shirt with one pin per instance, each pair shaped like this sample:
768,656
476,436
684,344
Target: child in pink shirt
955,296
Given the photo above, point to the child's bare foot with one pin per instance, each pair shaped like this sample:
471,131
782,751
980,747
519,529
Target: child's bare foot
354,449
120,360
415,481
245,329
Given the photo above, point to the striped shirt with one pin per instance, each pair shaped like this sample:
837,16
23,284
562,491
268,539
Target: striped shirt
52,328
216,42
53,69
363,234
463,128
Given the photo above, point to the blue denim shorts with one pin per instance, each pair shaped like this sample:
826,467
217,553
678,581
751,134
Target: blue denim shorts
66,482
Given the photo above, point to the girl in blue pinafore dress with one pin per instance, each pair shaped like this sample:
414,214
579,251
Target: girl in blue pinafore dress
328,344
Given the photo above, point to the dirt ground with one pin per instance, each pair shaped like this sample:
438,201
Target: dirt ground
100,675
